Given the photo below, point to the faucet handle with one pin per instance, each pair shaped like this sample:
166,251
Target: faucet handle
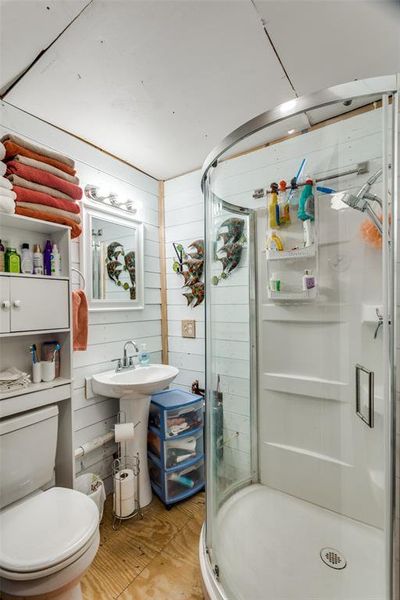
119,363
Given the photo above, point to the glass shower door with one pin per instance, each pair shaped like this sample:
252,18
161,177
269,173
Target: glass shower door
230,372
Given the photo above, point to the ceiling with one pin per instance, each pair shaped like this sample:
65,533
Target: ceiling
159,83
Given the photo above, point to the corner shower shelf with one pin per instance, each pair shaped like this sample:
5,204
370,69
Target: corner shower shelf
293,296
307,252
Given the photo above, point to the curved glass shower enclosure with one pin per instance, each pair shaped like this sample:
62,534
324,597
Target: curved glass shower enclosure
300,321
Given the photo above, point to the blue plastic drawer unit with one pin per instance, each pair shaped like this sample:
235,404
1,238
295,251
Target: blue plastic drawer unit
176,445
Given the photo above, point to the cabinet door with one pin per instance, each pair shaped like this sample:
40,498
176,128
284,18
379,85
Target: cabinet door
4,305
39,304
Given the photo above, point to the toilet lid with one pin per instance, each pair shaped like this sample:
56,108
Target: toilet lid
46,529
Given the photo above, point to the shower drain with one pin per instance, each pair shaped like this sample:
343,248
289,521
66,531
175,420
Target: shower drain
333,558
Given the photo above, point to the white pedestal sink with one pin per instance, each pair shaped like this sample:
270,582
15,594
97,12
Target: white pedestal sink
134,387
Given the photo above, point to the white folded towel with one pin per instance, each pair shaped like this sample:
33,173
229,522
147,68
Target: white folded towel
4,193
13,379
3,168
7,205
5,183
2,150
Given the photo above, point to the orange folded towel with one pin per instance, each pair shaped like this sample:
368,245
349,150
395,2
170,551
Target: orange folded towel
79,320
76,229
13,149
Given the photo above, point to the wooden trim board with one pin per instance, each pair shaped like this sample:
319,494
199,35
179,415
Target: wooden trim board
163,274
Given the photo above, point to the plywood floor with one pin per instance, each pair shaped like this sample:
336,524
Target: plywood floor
155,558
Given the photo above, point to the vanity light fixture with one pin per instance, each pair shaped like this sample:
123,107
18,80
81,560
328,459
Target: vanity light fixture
92,192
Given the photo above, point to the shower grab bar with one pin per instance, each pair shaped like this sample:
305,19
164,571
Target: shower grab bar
365,373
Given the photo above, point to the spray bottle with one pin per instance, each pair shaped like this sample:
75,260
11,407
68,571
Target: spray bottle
284,207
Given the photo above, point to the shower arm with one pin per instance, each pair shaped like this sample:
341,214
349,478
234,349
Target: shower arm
373,216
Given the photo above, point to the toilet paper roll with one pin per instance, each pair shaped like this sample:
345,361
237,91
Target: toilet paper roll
124,432
124,493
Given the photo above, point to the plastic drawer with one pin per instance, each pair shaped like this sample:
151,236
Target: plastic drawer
182,481
176,450
176,484
176,421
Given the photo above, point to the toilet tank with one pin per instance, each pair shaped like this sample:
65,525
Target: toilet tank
28,444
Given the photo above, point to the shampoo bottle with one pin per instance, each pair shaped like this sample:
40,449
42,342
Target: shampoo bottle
55,261
308,281
284,207
37,260
26,259
47,258
12,259
144,356
273,207
274,242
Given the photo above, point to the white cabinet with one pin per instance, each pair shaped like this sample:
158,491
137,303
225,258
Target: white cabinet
5,305
34,304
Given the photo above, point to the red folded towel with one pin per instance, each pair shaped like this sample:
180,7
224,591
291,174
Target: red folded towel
44,178
27,195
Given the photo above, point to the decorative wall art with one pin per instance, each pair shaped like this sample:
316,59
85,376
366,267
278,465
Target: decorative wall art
119,263
190,265
229,245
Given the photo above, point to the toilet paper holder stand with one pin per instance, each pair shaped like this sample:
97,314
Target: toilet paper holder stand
123,463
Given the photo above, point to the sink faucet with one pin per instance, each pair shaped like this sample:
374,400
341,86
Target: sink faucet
126,362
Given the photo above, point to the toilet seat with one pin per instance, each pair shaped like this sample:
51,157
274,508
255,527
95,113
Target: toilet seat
46,533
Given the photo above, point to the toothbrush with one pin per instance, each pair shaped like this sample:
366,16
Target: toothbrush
56,349
32,350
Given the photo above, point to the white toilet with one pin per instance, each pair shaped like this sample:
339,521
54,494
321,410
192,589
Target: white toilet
49,536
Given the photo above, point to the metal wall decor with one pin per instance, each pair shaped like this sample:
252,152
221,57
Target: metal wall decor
229,245
117,263
190,265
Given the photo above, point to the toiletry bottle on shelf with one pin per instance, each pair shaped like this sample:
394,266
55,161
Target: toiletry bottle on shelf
275,283
26,259
274,242
308,281
2,256
144,356
47,258
37,260
12,259
284,207
306,200
55,261
273,207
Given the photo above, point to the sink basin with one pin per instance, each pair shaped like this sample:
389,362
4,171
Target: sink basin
142,381
134,388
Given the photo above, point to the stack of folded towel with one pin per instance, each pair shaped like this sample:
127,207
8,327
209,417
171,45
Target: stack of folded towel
7,196
44,182
13,379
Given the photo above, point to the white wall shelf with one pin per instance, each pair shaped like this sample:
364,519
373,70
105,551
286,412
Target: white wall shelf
307,252
293,296
31,276
35,387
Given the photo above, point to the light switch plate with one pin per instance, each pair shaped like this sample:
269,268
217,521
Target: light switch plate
89,393
188,328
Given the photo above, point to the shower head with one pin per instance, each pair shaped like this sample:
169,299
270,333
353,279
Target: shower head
361,200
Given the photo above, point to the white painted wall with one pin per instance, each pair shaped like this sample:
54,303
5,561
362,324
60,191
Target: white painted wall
108,330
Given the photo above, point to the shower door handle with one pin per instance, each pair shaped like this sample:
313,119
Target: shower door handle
365,395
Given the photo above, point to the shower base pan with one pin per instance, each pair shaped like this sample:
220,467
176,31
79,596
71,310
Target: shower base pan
272,546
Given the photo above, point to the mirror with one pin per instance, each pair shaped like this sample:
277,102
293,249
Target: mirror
112,255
